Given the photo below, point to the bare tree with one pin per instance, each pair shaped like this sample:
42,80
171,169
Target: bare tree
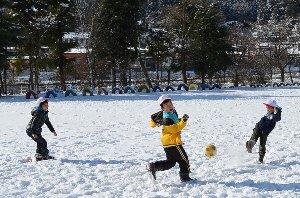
240,38
274,40
178,24
87,11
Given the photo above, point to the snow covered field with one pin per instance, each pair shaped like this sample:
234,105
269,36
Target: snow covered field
104,143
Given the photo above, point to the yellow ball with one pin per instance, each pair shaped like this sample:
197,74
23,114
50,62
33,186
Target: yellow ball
210,151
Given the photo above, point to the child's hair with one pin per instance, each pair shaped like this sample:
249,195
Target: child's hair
166,101
42,103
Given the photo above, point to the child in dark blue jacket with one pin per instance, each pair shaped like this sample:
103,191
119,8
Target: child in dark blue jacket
264,127
34,128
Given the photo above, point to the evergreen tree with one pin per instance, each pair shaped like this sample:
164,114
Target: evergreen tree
293,8
116,35
43,23
178,23
7,41
158,42
209,45
62,20
32,22
199,36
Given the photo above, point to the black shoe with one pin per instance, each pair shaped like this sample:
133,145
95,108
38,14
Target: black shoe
261,159
40,157
151,168
47,157
185,177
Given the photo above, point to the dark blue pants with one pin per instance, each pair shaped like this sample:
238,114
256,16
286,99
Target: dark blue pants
41,144
257,133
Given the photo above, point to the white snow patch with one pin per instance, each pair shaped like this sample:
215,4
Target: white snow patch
104,143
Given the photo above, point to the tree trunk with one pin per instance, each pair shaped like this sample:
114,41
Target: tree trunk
31,84
271,74
183,69
184,76
169,77
202,78
13,78
1,83
291,77
62,74
91,72
123,75
236,79
36,76
129,76
5,79
157,72
91,61
282,74
161,73
61,64
113,76
61,57
144,70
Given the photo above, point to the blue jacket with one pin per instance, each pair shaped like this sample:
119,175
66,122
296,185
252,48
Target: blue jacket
268,122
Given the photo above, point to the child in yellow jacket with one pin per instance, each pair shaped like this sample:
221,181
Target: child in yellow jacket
170,139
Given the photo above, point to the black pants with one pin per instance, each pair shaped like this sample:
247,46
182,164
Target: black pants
41,144
257,133
174,154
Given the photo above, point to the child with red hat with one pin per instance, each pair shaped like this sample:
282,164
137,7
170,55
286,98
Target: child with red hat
264,127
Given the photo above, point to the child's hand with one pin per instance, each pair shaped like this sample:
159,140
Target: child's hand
185,117
278,109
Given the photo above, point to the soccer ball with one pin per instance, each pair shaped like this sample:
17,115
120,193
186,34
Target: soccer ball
210,151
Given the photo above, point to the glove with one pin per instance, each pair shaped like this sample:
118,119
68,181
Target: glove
278,109
185,117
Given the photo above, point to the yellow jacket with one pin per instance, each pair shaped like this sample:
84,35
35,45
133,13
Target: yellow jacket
171,134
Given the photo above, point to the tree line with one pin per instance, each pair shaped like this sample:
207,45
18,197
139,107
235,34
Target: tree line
187,34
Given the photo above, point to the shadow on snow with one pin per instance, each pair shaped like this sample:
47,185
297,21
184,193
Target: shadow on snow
95,162
268,186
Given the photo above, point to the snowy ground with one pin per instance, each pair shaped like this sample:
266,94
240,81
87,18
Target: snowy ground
104,144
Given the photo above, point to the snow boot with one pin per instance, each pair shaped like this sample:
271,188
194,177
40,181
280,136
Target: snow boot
261,159
151,168
185,177
249,145
40,157
47,157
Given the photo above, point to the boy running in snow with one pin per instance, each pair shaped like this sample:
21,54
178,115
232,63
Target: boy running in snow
34,128
264,127
171,139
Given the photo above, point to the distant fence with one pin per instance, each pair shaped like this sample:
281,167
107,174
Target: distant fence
22,88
